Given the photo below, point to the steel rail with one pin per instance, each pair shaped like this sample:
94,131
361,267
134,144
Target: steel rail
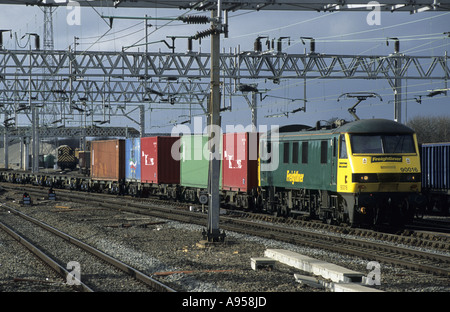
402,256
406,257
60,270
154,284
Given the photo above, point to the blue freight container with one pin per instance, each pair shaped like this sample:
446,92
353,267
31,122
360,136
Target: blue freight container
133,159
435,163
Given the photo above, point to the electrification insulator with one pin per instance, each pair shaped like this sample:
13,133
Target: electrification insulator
396,44
279,43
194,19
312,46
37,42
190,44
204,33
257,46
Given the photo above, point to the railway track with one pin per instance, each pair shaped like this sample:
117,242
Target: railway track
93,270
382,248
423,261
430,225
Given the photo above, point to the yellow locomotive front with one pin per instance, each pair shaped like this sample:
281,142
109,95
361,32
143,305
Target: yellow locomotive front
379,171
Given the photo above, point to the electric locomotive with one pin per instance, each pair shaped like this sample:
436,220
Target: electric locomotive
362,172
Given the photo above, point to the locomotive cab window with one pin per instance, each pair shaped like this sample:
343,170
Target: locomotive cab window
304,152
382,144
342,148
286,153
323,152
295,153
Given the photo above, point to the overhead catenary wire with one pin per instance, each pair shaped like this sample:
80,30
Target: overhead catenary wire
311,80
327,15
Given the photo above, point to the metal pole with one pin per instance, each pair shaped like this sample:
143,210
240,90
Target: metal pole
36,142
27,154
6,143
398,91
33,122
21,165
254,112
397,80
214,125
142,120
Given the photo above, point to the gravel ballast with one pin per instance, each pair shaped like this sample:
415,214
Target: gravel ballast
169,251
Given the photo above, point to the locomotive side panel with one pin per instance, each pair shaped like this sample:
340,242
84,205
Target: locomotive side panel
304,162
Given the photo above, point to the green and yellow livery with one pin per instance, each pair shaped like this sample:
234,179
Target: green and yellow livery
367,171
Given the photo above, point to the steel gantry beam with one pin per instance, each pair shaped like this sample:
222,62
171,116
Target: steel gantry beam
243,65
73,132
105,84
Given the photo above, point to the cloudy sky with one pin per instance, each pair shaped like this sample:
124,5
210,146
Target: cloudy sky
346,33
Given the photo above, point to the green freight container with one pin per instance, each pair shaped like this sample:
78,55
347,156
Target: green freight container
194,162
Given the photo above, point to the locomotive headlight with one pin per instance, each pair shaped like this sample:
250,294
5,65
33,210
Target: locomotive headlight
411,177
364,177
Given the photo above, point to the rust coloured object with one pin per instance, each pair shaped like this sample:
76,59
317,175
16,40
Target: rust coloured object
108,160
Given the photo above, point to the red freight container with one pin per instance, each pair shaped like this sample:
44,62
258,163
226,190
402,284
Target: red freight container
157,163
240,161
108,160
